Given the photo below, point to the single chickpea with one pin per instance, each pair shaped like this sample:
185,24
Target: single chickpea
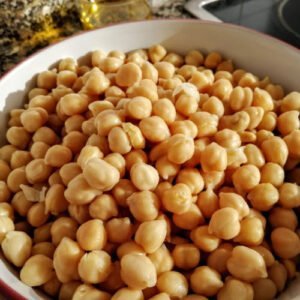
212,60
194,58
4,192
292,141
55,201
285,242
144,177
248,80
95,82
122,190
66,259
114,281
181,148
42,233
228,138
264,289
58,155
268,121
266,254
145,88
278,274
103,207
66,78
290,102
63,227
86,291
276,91
119,230
72,104
128,74
240,98
254,155
217,259
175,59
239,121
6,210
149,71
204,240
192,178
151,235
208,202
186,256
36,91
86,267
75,141
44,248
106,120
166,168
87,153
222,89
246,264
206,123
37,171
253,213
6,225
186,71
165,69
228,216
263,99
46,80
289,195
6,152
37,270
160,296
139,108
80,213
288,122
37,215
213,158
16,178
236,289
173,283
138,271
214,106
164,108
235,201
47,102
52,287
34,118
283,217
251,232
246,177
256,115
263,135
16,247
46,135
177,199
4,169
290,267
162,260
206,281
186,105
154,129
118,141
128,293
144,205
69,171
135,156
275,150
156,53
129,248
39,149
18,136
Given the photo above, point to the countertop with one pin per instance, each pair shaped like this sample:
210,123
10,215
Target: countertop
20,25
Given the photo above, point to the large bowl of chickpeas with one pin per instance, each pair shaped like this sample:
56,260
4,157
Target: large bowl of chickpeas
153,160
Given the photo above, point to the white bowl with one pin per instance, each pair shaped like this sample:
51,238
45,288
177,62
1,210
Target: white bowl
253,51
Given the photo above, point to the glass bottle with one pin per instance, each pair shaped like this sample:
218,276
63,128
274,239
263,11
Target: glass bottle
96,13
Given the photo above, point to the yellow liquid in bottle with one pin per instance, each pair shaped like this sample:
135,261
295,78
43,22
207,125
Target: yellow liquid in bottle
95,13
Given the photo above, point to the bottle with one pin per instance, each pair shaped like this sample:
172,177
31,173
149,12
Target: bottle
96,13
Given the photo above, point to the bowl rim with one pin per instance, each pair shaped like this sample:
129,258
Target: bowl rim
8,290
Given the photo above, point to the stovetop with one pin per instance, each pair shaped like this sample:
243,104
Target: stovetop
279,18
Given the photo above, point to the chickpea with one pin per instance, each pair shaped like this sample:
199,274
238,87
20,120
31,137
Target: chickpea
37,214
264,288
283,217
100,142
186,256
236,289
144,205
222,89
256,214
46,135
290,102
156,53
160,296
144,177
289,195
194,58
217,259
213,158
246,177
63,227
246,264
228,216
128,74
87,263
106,120
122,190
55,200
256,115
206,281
204,240
208,202
288,122
186,105
34,118
212,60
192,178
39,149
69,171
272,173
6,225
177,199
154,129
251,233
4,192
16,247
100,174
292,141
186,71
194,297
285,242
228,138
103,207
119,230
149,71
266,254
85,291
52,286
235,201
80,213
128,293
129,248
42,233
87,153
79,192
164,108
74,141
139,108
4,170
18,136
173,283
145,88
162,259
6,152
118,141
44,248
36,91
206,123
166,168
239,121
46,80
278,274
114,281
214,106
58,155
151,235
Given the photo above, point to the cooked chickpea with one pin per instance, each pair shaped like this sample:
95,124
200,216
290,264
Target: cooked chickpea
266,254
118,141
157,53
69,171
246,177
18,136
137,271
292,141
42,233
46,135
203,239
16,247
103,207
236,289
224,223
86,267
264,289
217,259
272,173
213,158
235,201
181,148
194,58
144,176
212,60
37,214
206,123
55,200
186,256
128,293
151,235
289,195
122,190
63,227
283,217
275,150
173,283
44,248
139,108
246,264
6,225
290,102
285,242
58,155
34,118
106,120
288,122
128,74
278,274
162,259
119,230
208,202
4,192
149,71
214,106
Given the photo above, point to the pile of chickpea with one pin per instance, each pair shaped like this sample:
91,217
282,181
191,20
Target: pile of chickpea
151,175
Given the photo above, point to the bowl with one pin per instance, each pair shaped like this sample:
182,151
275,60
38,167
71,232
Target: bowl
253,51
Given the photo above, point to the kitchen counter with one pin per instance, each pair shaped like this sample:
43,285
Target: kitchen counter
20,25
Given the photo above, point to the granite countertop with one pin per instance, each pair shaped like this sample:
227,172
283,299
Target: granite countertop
22,23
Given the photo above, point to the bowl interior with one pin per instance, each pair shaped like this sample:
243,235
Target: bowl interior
257,53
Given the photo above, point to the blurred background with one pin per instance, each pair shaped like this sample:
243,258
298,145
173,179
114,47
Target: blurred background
29,25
